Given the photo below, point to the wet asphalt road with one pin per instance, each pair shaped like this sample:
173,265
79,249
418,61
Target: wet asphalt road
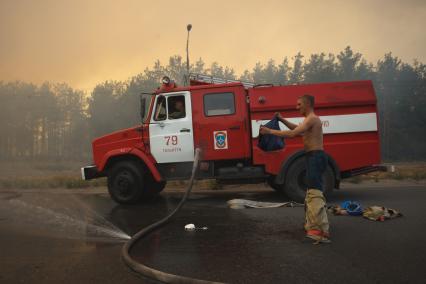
50,236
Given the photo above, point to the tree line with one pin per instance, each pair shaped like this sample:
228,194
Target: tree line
54,121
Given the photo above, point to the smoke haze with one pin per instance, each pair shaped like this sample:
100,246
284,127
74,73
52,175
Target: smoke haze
84,42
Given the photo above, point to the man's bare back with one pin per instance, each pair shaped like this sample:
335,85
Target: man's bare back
312,137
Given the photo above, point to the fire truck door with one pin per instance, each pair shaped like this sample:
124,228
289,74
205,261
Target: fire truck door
221,129
171,134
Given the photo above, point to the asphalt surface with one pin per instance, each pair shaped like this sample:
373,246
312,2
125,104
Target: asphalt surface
62,236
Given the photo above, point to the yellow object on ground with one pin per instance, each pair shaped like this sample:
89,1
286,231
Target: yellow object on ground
379,213
316,219
244,203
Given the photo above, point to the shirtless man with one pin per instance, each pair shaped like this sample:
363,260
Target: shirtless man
316,221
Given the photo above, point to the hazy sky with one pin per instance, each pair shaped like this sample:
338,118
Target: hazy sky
83,42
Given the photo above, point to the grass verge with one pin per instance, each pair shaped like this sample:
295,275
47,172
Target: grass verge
50,182
54,175
411,171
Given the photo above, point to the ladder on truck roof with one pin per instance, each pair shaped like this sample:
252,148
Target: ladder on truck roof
207,79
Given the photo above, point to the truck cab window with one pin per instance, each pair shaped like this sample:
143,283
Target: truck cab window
176,106
219,104
160,109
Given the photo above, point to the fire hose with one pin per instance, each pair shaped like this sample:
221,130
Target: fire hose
151,272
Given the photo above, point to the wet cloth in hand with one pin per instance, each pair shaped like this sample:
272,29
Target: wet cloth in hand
269,142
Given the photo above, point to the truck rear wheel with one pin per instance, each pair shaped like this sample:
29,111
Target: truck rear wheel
271,183
295,182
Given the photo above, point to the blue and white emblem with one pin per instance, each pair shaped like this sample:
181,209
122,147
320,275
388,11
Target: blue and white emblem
220,140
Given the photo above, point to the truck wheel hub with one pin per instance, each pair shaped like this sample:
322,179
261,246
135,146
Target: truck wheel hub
124,183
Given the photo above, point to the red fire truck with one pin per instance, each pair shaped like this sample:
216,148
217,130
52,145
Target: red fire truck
222,118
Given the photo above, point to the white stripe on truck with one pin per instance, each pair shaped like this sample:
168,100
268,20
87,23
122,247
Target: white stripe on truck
345,123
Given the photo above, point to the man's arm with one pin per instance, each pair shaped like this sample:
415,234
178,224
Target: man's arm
287,123
306,124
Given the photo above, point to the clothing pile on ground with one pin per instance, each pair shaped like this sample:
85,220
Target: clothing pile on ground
244,203
374,213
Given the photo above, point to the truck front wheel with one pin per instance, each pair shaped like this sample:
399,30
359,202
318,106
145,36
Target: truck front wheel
126,182
153,187
295,181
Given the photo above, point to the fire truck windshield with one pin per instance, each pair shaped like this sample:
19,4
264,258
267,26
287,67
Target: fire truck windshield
145,104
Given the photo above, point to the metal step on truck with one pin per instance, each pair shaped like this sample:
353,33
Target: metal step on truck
222,118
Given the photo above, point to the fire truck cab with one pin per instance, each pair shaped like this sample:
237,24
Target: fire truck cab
222,118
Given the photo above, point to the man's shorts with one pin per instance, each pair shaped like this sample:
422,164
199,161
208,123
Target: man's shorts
316,163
